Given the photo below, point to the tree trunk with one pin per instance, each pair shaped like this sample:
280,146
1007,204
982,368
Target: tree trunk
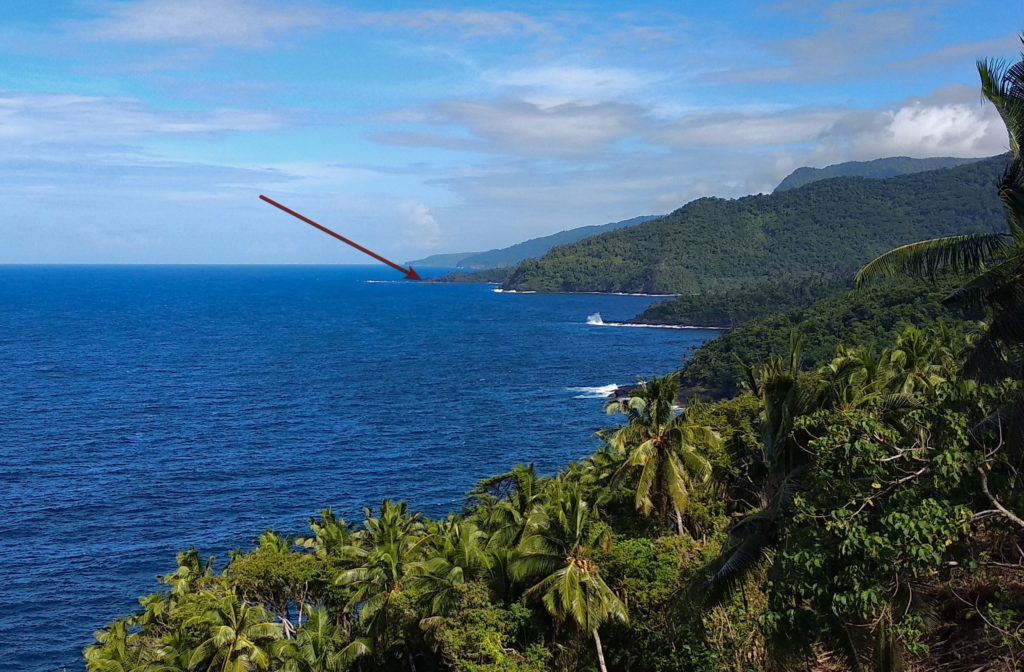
412,663
600,651
679,522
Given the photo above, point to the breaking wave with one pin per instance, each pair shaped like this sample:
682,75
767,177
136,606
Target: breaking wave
600,392
595,320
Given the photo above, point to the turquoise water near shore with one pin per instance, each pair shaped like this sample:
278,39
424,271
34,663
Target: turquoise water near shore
147,409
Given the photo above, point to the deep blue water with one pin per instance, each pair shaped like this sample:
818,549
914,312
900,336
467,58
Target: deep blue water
147,409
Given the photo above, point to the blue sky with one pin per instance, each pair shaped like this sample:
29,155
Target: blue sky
142,131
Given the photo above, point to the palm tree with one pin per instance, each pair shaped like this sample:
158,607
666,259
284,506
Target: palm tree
457,555
318,646
558,550
996,260
384,550
174,654
113,651
239,638
662,446
785,396
918,363
330,535
190,573
505,504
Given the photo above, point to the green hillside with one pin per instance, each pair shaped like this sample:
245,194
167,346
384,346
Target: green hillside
490,275
867,317
877,169
827,227
733,307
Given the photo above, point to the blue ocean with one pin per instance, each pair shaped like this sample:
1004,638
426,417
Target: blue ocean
144,410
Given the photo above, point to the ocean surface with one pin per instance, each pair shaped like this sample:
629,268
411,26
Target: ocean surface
144,410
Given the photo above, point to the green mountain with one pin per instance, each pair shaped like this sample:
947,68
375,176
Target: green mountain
877,169
830,227
451,260
535,247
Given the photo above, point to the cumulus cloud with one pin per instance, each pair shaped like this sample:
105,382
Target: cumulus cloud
923,130
423,231
945,124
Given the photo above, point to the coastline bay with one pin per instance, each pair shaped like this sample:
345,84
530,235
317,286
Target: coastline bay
148,409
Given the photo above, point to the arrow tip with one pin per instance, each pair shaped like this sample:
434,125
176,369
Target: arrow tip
411,274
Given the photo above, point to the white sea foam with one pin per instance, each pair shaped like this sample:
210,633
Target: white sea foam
595,320
531,291
600,392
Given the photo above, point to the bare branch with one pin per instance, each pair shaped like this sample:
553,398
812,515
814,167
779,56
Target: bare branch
1009,515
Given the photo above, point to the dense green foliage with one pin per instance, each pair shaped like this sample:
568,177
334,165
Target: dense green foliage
875,169
733,307
868,317
828,227
528,249
493,275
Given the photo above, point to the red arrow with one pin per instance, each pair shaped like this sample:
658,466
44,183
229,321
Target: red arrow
410,274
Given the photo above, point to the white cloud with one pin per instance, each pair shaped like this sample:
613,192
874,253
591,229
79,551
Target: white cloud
423,230
555,84
237,23
948,123
861,40
257,23
923,130
744,129
38,118
523,128
467,23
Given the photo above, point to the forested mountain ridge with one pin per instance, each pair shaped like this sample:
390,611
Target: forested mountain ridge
876,169
827,227
528,249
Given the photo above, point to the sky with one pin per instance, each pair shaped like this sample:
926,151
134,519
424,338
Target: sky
143,131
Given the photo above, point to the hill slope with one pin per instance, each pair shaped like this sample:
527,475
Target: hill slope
877,169
866,317
735,306
529,249
827,227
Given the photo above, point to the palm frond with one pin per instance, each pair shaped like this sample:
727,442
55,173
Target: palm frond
964,254
738,560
